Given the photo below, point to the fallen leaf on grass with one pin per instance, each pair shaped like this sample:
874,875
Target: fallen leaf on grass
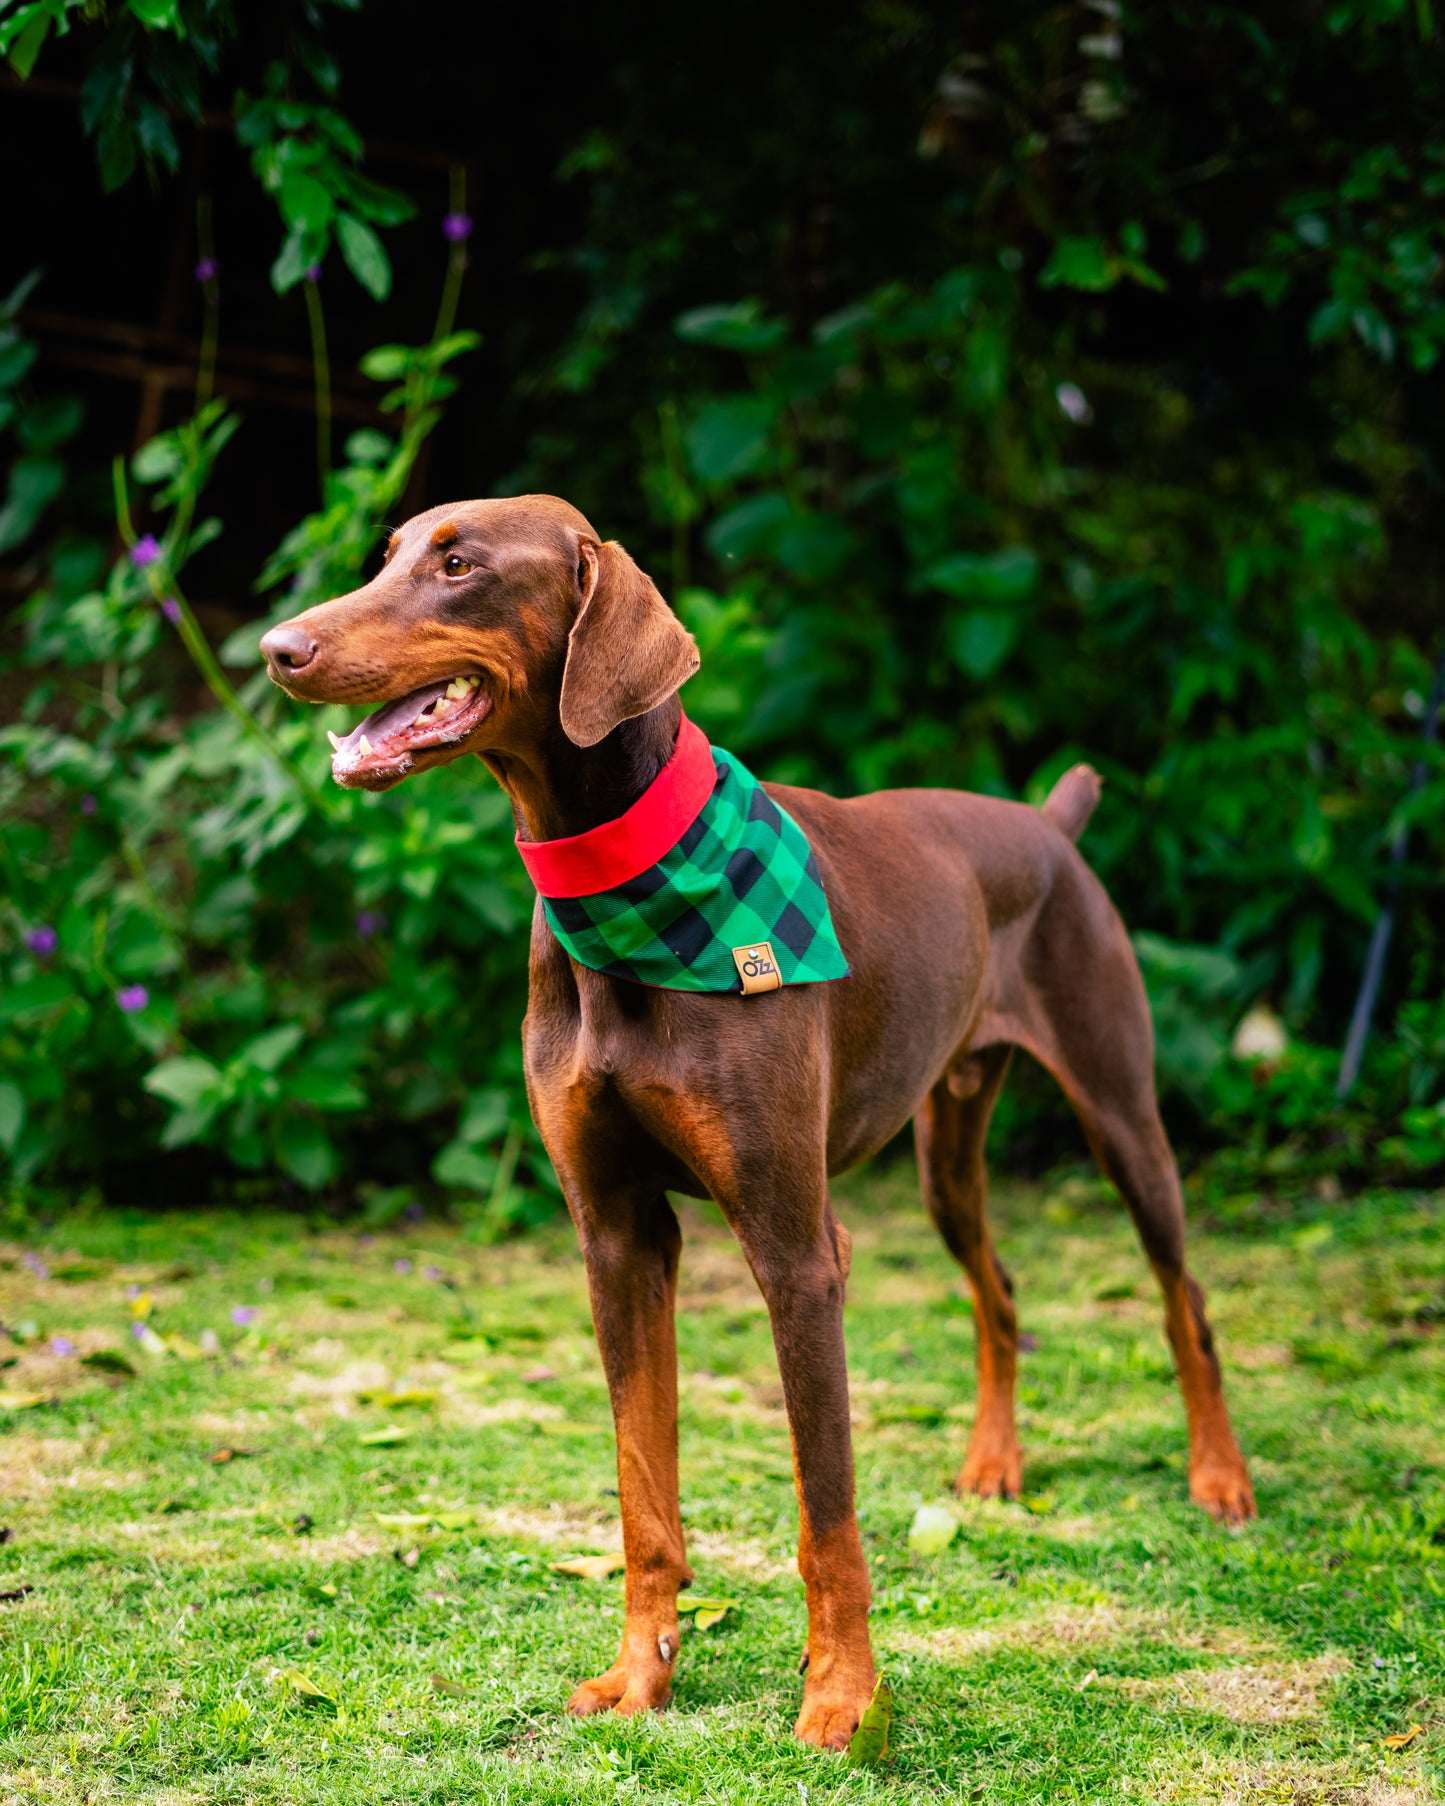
341,1301
1403,1739
408,1557
108,1360
74,1272
869,1743
403,1520
325,1591
14,1594
219,1457
705,1612
932,1530
590,1567
22,1401
149,1340
309,1692
183,1348
440,1684
1041,1503
142,1305
384,1439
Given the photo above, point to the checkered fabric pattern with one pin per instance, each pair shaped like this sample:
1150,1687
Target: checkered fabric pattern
742,873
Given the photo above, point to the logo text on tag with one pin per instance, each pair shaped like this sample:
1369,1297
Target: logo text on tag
757,968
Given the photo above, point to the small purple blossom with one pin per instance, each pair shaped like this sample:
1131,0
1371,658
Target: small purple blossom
133,1290
431,1273
370,922
61,1345
132,998
314,273
401,1266
42,941
207,270
171,609
145,551
414,1212
88,805
457,227
36,1265
138,1330
242,1314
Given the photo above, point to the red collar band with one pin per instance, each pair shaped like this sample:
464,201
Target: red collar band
615,852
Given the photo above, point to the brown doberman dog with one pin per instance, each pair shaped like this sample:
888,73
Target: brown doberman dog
508,629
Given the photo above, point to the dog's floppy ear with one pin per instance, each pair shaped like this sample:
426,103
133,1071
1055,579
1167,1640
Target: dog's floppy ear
627,651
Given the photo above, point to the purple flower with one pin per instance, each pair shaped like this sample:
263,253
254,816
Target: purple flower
61,1345
42,941
138,1330
457,227
314,273
36,1265
207,270
132,998
145,551
133,1290
369,922
88,805
171,609
242,1314
431,1272
401,1266
413,1212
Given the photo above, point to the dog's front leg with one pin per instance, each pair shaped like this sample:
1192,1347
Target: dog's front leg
800,1257
631,1248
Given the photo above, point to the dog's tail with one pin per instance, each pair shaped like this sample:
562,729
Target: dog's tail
1073,800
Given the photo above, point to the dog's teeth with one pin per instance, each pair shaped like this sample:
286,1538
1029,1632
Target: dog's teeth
461,687
441,706
335,740
363,746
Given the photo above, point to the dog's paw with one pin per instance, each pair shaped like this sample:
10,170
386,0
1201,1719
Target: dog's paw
1224,1492
627,1687
993,1471
831,1713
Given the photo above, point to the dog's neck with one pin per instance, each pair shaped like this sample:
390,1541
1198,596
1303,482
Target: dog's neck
558,789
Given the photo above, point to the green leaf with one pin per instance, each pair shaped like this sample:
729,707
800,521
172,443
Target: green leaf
310,1693
12,1115
365,255
34,996
158,15
933,1529
305,1150
26,45
981,641
705,1612
462,1166
325,1091
739,327
183,1080
306,206
1083,263
484,1116
386,1438
729,439
869,1743
270,1050
297,256
1011,575
387,363
108,1360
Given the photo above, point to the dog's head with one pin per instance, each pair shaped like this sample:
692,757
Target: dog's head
489,623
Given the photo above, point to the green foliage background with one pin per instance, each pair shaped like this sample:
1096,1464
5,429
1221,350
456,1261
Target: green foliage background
1020,389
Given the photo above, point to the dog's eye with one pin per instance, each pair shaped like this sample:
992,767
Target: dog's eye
457,566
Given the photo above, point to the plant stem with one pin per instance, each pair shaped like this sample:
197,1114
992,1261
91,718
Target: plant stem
322,365
163,587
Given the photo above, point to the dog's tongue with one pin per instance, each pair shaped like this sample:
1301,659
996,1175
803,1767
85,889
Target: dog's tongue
390,718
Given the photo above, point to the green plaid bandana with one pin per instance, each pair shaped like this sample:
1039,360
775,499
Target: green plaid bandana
739,885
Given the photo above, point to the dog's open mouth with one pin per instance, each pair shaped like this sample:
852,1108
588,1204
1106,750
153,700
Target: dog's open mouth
385,745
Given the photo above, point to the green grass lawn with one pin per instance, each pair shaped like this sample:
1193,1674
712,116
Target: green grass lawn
1101,1641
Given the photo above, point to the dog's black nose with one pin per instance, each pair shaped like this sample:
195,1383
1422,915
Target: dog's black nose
290,648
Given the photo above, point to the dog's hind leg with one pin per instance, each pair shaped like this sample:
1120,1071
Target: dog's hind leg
1090,1024
950,1130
